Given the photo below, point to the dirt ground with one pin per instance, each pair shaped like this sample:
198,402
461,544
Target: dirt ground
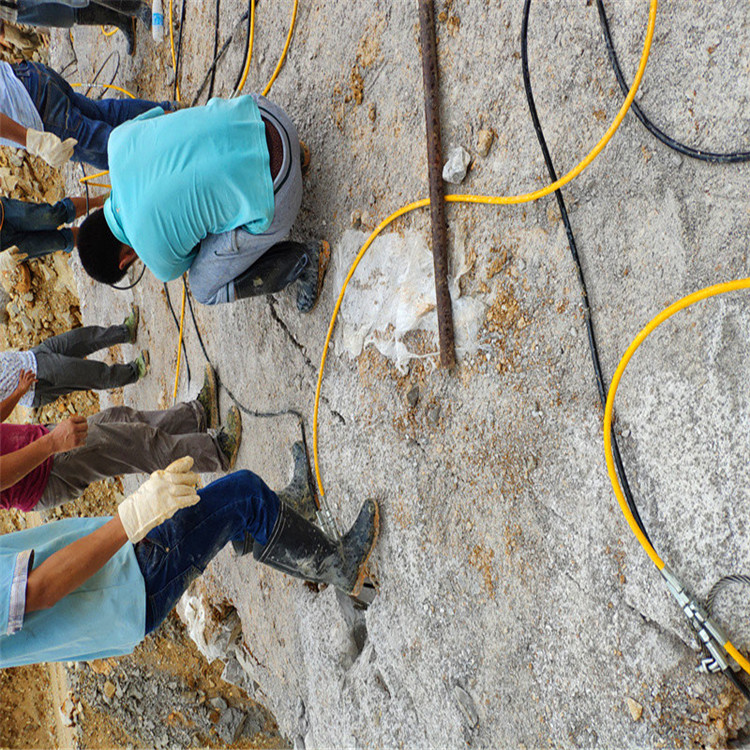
514,608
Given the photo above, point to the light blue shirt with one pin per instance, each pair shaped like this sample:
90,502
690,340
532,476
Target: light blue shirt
16,103
105,616
177,178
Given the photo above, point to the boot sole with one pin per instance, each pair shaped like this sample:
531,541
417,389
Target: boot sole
324,258
233,457
363,567
212,418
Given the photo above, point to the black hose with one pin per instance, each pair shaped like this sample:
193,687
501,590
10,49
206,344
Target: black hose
731,157
177,323
237,402
217,57
601,387
178,54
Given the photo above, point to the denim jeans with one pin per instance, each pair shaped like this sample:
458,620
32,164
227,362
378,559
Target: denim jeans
33,227
70,115
175,553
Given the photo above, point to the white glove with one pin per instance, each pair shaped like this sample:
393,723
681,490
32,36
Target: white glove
47,145
159,498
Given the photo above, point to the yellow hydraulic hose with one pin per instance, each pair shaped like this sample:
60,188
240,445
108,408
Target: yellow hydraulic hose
174,57
107,86
112,31
691,299
280,63
490,200
249,55
88,177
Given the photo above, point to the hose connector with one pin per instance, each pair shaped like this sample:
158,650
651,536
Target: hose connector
705,627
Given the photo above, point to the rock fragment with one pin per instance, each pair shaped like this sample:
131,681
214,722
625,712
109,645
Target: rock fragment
230,725
412,396
457,165
635,708
485,139
108,689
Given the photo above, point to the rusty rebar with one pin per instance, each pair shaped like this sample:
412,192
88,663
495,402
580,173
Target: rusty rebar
435,171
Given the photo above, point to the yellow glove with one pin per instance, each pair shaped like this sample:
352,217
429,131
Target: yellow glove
47,145
159,498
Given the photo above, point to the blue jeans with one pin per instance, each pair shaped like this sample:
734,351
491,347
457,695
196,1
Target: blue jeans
33,227
175,553
70,115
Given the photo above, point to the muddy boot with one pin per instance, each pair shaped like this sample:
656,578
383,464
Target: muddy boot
98,15
275,269
300,549
135,8
208,398
230,437
298,494
131,323
311,279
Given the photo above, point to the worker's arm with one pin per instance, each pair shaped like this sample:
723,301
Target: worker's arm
69,434
65,570
157,499
95,201
37,142
12,130
25,380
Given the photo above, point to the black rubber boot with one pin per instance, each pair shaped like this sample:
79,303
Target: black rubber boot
275,269
311,279
301,549
97,15
298,494
135,8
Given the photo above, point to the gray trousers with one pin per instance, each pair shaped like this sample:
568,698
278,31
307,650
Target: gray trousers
122,440
224,257
61,366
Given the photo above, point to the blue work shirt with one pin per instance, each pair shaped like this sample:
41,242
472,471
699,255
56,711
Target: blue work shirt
104,616
177,178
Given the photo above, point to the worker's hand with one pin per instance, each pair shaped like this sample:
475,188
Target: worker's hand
26,379
70,433
159,498
47,145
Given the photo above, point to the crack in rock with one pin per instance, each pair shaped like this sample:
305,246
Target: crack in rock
306,359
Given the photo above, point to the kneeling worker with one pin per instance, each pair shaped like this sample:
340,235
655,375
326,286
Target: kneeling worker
213,190
88,588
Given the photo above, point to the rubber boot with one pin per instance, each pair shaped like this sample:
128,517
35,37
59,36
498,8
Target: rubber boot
135,8
97,15
302,550
298,494
275,269
311,279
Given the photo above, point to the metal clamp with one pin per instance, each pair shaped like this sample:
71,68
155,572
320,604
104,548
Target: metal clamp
706,628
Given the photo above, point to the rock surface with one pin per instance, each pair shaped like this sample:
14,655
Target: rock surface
504,565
